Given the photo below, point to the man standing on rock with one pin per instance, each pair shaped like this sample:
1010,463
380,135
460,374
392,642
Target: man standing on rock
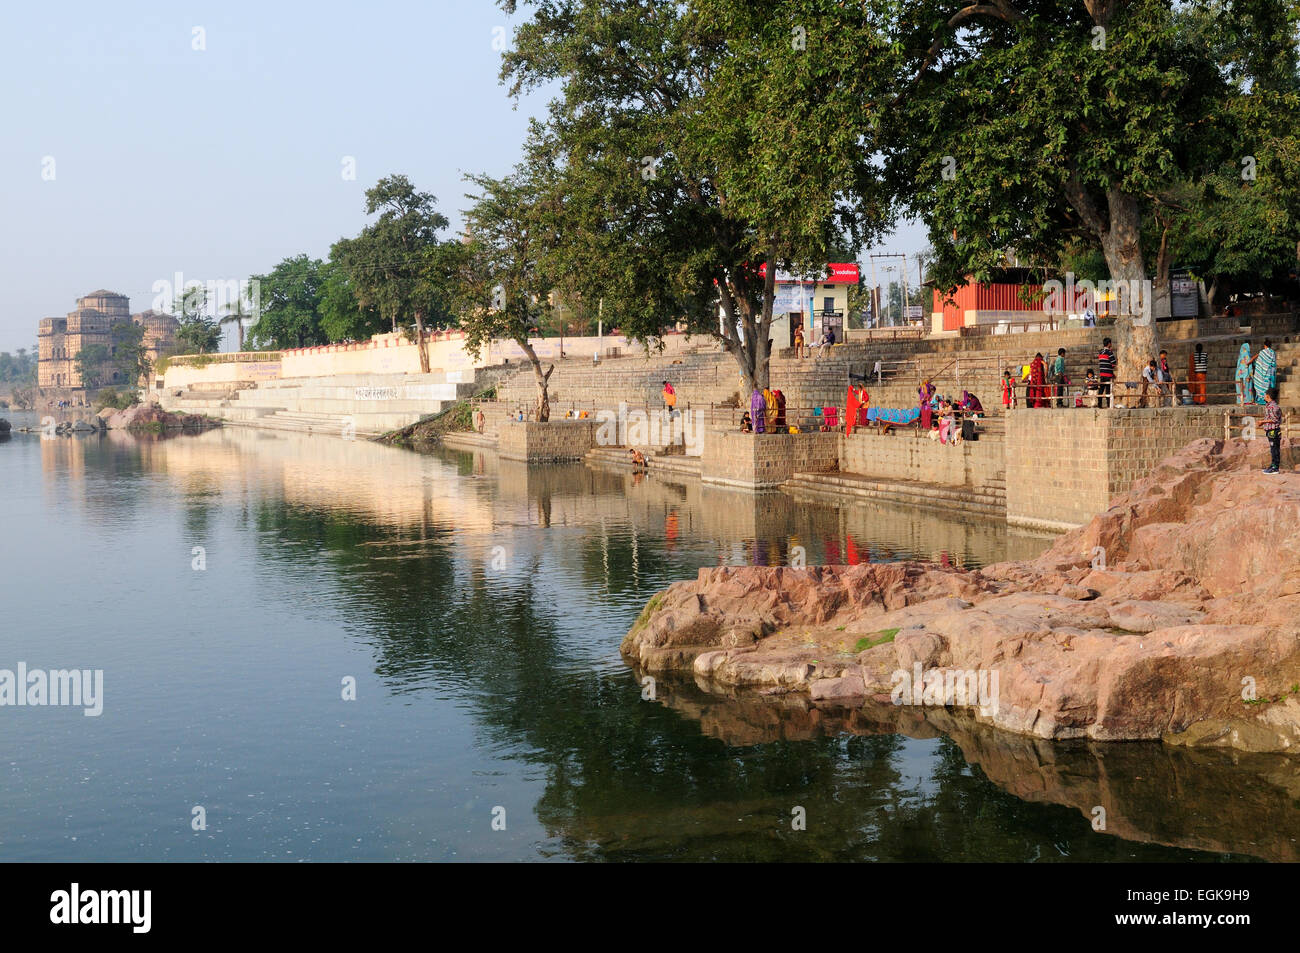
1273,430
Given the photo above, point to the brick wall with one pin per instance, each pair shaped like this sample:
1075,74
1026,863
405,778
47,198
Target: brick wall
1065,466
903,456
766,460
550,442
1136,440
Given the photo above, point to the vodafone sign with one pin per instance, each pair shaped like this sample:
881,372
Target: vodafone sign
836,274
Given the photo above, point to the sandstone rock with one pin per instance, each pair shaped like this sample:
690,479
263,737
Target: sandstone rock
1144,624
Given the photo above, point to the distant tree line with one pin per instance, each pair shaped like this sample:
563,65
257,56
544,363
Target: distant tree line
18,369
687,144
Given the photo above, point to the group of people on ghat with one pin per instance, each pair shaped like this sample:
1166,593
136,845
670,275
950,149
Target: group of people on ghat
824,343
1040,383
1047,384
766,412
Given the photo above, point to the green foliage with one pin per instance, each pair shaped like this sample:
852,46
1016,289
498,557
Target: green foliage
882,637
688,145
500,289
342,317
1061,129
130,356
19,368
197,334
113,397
291,306
387,265
90,363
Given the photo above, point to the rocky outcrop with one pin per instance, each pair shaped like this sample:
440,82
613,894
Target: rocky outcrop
1175,614
151,417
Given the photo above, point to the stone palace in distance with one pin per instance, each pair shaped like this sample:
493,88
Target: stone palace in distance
60,339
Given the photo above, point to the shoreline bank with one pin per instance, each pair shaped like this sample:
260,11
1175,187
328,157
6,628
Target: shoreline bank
1171,616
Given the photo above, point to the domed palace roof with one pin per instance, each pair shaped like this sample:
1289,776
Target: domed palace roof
156,319
104,293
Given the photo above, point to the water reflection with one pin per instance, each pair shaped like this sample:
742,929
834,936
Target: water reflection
489,601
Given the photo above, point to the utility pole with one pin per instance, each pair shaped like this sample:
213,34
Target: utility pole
904,283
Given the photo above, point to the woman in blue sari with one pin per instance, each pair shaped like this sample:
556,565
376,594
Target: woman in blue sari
1265,372
1243,374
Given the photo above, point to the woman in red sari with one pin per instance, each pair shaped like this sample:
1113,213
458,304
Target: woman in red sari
1038,382
925,394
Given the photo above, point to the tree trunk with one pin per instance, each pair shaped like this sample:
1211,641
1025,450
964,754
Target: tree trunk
543,409
740,350
1119,231
419,342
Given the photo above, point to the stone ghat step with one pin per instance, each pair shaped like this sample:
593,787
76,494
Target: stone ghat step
985,501
666,463
415,408
469,440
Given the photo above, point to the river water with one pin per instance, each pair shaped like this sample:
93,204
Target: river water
234,586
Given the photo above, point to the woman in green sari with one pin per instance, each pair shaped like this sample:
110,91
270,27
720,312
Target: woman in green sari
1265,372
1243,374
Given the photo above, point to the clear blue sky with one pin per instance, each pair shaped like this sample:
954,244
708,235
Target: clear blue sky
219,162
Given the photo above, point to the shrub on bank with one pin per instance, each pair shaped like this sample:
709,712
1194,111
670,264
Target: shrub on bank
117,399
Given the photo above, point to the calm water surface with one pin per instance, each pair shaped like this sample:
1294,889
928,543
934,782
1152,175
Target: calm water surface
479,608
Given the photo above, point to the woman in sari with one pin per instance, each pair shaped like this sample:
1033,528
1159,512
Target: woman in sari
758,409
926,394
1242,378
1038,382
850,410
1265,372
769,409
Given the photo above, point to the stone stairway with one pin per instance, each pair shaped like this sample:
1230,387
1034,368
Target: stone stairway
844,487
657,461
471,440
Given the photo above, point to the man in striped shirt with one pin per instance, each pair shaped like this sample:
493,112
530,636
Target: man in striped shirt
1273,430
1105,373
1200,367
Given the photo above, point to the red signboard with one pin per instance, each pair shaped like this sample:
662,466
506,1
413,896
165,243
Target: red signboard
835,274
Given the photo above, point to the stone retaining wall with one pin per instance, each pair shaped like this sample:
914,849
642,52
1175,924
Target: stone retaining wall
759,461
1065,466
904,456
551,442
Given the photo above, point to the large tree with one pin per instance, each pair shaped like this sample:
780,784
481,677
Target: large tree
90,363
342,316
385,264
290,305
1022,124
130,354
689,146
501,285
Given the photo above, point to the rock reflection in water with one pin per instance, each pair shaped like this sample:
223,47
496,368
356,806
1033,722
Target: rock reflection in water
1151,793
